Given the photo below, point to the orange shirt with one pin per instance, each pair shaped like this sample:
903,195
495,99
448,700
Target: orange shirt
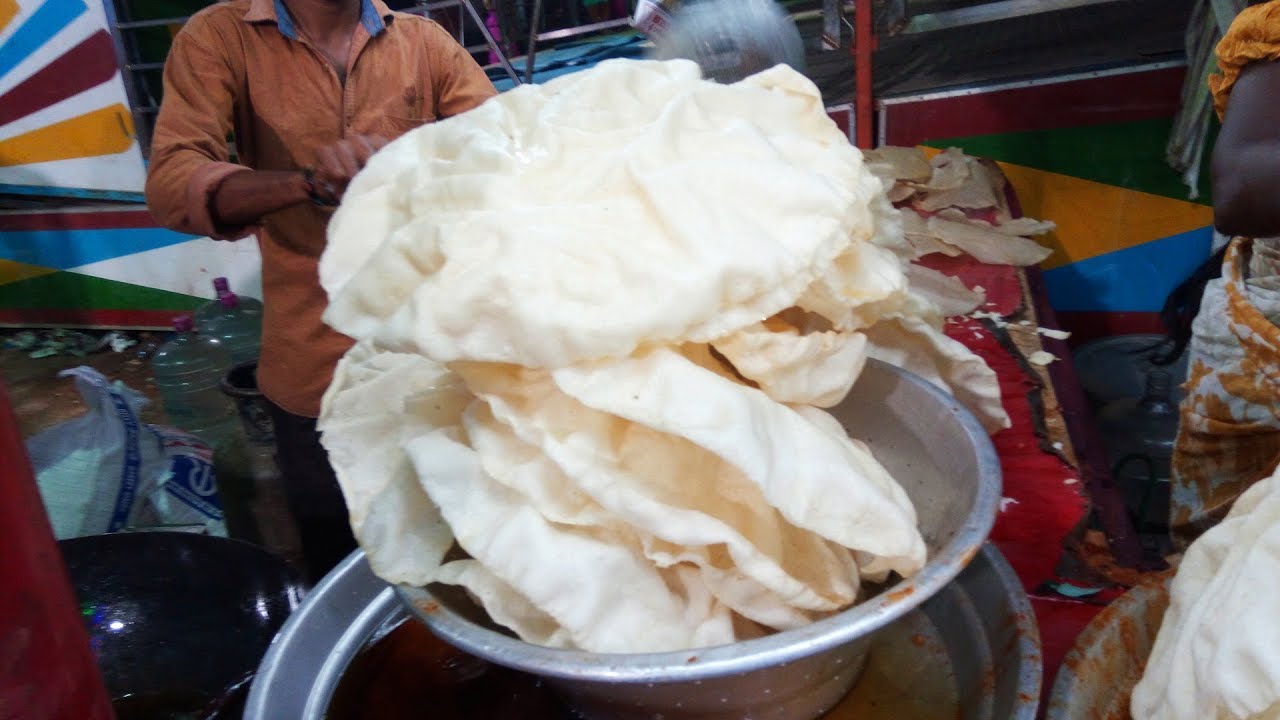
241,67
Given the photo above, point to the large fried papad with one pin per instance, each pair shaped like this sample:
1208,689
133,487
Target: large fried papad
595,322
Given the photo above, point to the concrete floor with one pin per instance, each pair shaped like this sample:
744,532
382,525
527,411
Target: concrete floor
41,399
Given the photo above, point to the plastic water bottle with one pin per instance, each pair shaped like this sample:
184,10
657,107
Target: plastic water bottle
238,330
189,370
212,309
1139,434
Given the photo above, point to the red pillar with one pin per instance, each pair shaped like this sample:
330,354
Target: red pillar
47,671
863,47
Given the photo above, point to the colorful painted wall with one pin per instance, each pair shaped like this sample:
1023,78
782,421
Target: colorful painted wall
1086,152
111,268
66,125
66,130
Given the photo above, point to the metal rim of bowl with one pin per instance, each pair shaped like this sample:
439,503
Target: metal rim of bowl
776,649
352,607
1070,685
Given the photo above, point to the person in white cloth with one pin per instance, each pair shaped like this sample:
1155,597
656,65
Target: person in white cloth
1229,436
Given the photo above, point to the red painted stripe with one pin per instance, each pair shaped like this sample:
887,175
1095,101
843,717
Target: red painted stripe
78,220
1061,622
130,319
1086,326
1091,101
84,66
842,115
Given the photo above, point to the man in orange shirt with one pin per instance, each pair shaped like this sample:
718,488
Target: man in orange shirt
309,89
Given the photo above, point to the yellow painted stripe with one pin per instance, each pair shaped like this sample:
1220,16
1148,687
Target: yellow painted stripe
11,271
8,9
106,131
1094,218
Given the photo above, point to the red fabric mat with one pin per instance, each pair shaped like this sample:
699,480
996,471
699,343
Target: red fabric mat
1060,621
1044,496
1004,290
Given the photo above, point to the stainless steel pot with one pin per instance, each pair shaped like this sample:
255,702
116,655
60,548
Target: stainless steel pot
939,454
972,652
937,451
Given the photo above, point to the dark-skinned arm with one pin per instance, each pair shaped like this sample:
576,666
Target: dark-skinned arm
243,198
1246,159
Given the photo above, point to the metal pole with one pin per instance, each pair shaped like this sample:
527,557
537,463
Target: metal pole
493,43
831,24
162,22
583,29
141,124
991,12
533,41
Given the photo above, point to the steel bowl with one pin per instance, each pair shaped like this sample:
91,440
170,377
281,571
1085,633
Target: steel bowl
972,652
940,455
1099,674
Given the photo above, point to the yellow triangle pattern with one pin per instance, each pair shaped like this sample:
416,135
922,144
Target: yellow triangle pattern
11,272
1095,218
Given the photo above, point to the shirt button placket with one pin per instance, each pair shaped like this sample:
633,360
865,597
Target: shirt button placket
348,109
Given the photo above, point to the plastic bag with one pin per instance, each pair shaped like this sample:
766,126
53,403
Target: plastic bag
106,471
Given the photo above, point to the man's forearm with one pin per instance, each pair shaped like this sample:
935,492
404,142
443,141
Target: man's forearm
245,197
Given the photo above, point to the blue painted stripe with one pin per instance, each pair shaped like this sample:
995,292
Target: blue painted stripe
70,192
67,249
1136,279
48,20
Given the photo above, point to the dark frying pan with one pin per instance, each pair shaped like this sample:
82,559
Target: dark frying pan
178,621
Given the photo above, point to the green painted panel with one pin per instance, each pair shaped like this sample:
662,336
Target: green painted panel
1128,155
72,291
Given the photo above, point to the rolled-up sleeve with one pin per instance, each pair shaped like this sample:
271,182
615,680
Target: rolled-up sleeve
189,156
460,83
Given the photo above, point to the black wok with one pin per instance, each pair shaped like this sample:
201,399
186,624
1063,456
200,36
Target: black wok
178,621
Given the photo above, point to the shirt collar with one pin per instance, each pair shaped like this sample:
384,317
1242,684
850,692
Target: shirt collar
373,15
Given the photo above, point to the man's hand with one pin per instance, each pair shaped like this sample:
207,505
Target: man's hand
339,162
243,198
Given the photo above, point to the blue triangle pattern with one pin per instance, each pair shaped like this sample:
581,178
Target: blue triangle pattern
63,250
1135,279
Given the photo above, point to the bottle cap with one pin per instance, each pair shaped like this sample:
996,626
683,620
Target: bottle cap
220,285
229,300
183,323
